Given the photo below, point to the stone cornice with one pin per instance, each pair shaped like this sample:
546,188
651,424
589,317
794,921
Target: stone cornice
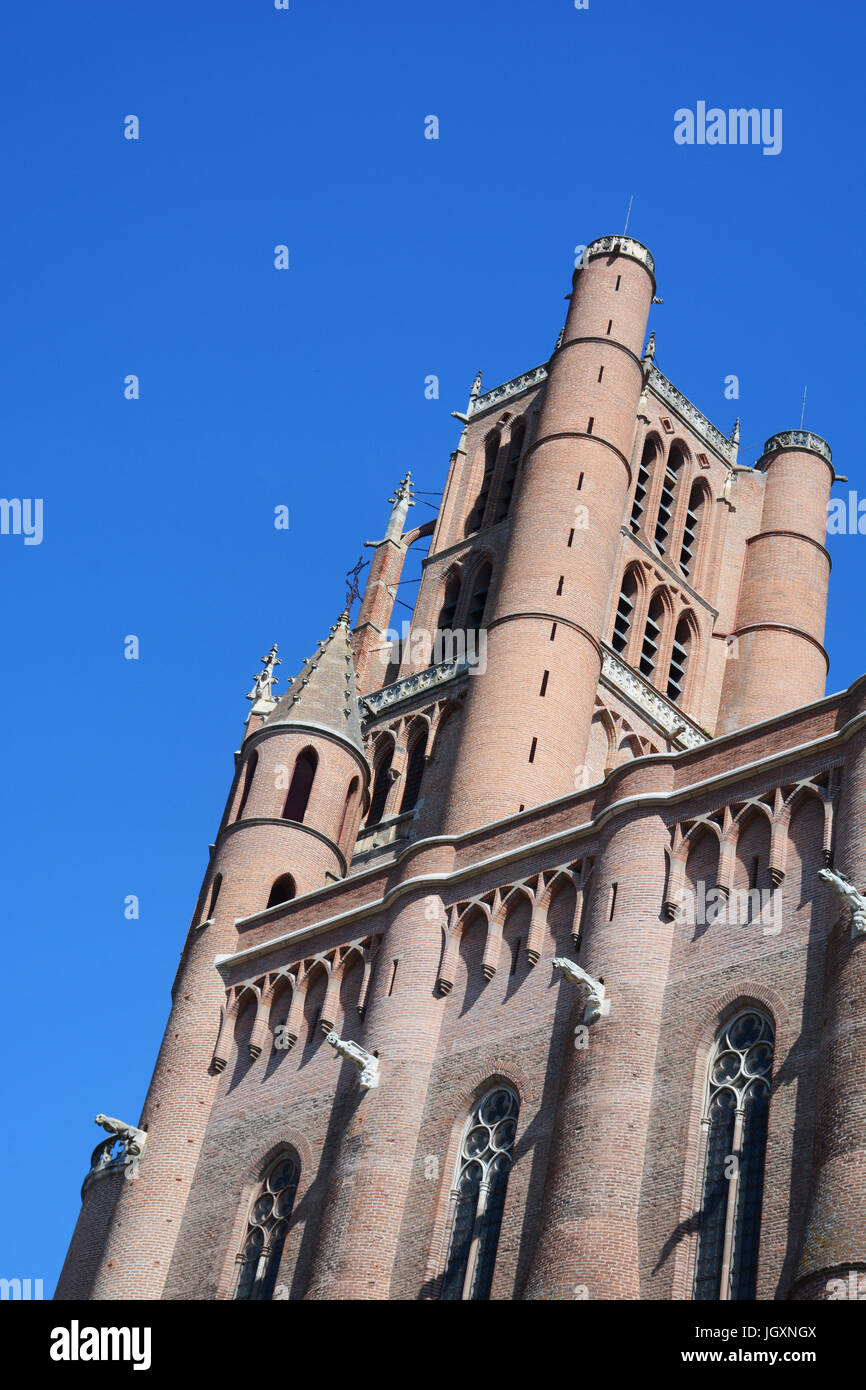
799,441
237,825
692,417
623,246
661,712
836,738
664,390
399,692
508,390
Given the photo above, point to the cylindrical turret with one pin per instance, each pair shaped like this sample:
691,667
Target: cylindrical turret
777,661
528,715
291,819
373,1166
588,1241
833,1254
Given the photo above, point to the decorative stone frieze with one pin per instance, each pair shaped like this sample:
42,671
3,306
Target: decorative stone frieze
799,439
419,682
691,416
515,387
664,714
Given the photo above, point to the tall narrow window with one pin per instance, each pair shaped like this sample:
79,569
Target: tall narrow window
478,602
249,774
692,530
414,772
679,659
624,613
666,501
214,894
738,1098
283,890
491,453
641,487
506,491
259,1260
478,1196
348,806
381,785
449,603
652,634
301,785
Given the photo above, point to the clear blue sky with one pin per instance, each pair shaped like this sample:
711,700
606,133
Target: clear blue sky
306,388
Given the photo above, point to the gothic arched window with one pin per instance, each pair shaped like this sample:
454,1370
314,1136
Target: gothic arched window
214,894
642,484
680,653
491,453
414,771
624,613
248,782
449,603
738,1100
693,530
666,500
348,806
282,891
478,1197
478,602
259,1260
515,449
301,785
652,635
381,785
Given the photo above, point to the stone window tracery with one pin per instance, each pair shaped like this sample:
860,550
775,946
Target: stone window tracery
738,1098
478,1196
268,1224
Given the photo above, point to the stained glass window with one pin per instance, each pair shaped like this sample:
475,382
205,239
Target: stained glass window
259,1260
738,1098
480,1184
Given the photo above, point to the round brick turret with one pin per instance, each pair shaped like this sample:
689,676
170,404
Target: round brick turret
134,1225
588,1231
529,712
776,658
833,1253
372,1169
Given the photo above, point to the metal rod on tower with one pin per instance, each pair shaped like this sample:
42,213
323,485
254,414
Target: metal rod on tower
803,410
628,214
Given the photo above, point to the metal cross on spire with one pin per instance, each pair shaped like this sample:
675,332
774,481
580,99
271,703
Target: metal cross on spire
352,589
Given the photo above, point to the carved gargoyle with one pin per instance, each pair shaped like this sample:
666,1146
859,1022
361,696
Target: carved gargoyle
592,990
133,1139
366,1062
844,888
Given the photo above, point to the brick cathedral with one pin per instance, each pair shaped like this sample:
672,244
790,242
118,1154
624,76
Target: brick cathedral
528,962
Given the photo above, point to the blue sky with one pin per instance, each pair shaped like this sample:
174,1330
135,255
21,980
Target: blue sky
305,388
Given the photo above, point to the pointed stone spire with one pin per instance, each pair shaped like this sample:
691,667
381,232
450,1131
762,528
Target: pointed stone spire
650,349
263,682
735,436
473,399
401,502
324,694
